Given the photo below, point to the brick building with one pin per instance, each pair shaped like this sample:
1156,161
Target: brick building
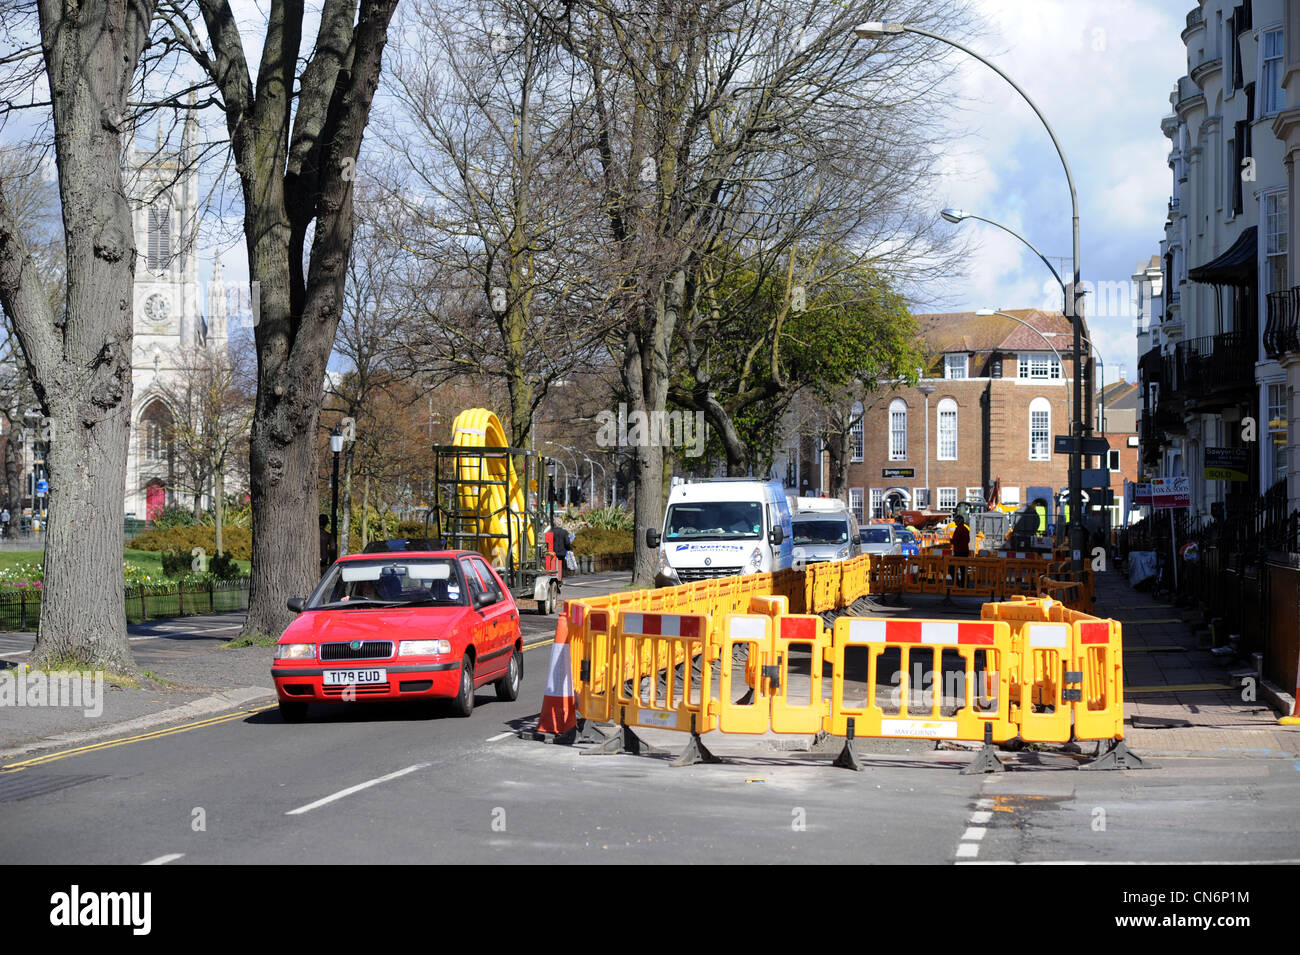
991,400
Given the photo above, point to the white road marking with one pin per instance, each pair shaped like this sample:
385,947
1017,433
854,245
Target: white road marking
981,816
343,793
499,736
163,860
968,850
973,834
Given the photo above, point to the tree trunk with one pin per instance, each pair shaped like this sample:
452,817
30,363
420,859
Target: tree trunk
81,369
218,503
345,516
365,513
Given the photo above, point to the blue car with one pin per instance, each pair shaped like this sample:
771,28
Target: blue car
911,546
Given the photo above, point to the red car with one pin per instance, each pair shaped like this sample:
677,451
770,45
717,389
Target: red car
400,626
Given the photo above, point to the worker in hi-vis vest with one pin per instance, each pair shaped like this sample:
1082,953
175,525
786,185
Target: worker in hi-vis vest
1041,510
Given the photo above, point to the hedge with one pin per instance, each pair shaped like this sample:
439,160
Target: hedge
237,542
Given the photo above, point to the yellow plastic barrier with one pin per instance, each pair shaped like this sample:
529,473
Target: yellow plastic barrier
1099,659
663,670
804,632
891,705
754,633
1039,690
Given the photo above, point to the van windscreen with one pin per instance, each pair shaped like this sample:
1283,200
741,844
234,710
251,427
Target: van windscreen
821,532
728,520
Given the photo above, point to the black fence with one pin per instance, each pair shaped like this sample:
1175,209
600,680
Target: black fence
21,609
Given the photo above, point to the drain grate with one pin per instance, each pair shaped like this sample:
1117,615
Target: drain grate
25,785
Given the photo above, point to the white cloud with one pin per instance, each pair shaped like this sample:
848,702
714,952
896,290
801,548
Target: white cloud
1101,73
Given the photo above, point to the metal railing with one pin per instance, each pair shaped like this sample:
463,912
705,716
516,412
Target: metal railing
20,609
1282,326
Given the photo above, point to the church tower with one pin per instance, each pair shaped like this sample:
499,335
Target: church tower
162,187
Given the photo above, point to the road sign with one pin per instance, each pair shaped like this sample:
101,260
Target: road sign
42,488
1227,464
898,472
1064,444
1171,492
1096,477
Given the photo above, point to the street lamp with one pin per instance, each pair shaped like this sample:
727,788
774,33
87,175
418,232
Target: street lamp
336,445
878,29
927,390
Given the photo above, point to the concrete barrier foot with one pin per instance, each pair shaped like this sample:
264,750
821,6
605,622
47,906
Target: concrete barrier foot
695,752
985,761
1118,756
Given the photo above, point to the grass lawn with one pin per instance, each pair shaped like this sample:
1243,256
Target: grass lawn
149,561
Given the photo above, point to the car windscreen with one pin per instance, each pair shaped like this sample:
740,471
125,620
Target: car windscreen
820,531
391,582
875,535
907,536
726,520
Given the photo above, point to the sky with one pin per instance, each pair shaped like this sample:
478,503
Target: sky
1101,71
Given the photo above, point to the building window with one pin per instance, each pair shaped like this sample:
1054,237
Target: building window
921,498
954,366
1273,97
1011,496
160,242
857,434
1112,460
156,423
975,495
947,430
947,499
1275,240
1040,430
877,502
898,430
1277,433
1039,365
855,502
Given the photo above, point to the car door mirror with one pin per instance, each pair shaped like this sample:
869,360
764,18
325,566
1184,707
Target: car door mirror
776,535
651,537
296,604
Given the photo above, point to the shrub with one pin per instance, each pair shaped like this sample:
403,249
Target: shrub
236,541
597,541
175,562
611,519
223,567
174,516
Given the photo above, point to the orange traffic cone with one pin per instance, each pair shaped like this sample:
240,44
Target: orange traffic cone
559,708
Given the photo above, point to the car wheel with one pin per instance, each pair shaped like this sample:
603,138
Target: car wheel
508,686
463,704
293,712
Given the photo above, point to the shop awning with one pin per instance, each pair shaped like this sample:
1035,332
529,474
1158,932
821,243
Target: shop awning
1235,267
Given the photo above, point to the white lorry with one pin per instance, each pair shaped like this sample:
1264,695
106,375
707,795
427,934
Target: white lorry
722,527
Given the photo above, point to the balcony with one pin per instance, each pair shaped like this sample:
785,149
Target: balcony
1216,370
1187,95
1282,327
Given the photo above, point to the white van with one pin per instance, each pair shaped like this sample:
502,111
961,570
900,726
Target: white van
722,528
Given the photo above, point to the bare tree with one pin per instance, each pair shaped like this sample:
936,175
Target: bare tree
211,403
79,359
295,134
688,101
485,130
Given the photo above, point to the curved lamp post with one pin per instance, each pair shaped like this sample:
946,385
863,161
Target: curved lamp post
878,29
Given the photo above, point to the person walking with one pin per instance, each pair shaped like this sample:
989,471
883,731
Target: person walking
960,547
560,543
326,544
4,523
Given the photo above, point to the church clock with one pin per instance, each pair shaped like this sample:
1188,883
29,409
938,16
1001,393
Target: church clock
156,309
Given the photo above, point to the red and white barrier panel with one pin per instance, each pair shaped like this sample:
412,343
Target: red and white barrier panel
946,633
664,625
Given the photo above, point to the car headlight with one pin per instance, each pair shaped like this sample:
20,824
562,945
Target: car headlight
423,648
756,560
843,554
665,569
295,651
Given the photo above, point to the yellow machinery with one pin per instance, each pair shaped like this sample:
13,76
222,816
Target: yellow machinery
489,500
